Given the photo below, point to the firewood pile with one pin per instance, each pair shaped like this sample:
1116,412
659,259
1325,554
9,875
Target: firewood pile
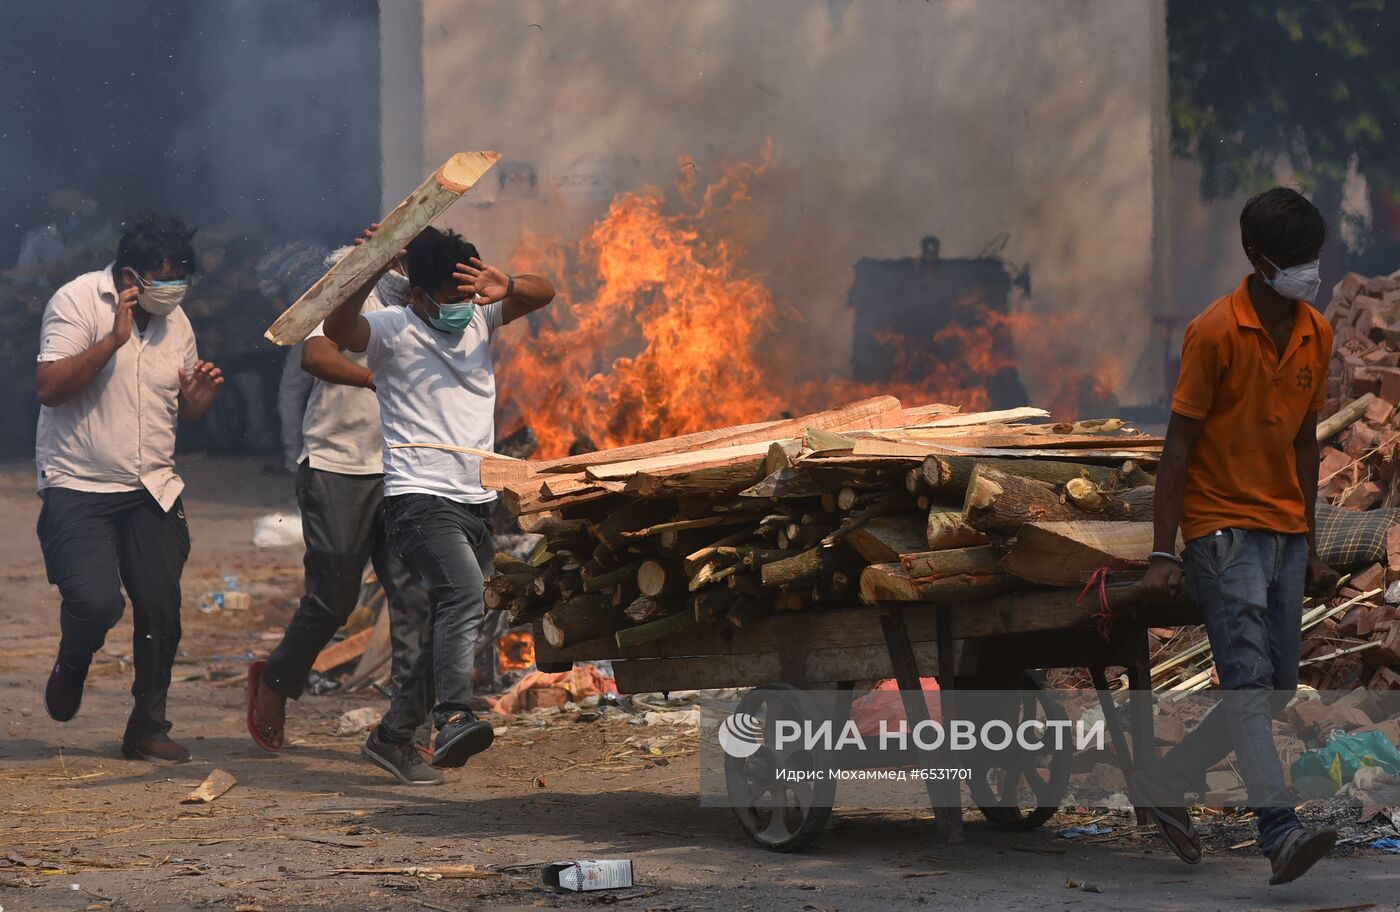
868,503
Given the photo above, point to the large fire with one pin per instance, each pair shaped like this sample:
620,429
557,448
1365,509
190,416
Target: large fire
659,330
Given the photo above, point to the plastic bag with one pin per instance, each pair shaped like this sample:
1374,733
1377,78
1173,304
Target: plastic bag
1343,755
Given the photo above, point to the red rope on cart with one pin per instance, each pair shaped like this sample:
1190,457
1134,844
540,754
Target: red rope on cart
1104,616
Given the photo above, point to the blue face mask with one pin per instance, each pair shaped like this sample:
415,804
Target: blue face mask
452,318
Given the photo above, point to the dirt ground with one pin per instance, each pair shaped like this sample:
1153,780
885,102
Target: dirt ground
82,828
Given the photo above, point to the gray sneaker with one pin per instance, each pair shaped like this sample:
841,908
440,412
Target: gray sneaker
402,761
1301,849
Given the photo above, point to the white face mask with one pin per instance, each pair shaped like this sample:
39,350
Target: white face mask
1299,283
161,298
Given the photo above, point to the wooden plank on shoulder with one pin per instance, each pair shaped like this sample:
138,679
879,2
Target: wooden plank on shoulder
442,188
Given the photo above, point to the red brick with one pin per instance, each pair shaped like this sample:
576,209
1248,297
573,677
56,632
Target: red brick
1364,496
1378,412
1370,578
1360,699
1306,715
1388,653
1389,383
1379,285
1385,679
1350,286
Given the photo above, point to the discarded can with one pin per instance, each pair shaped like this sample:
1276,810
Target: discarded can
585,876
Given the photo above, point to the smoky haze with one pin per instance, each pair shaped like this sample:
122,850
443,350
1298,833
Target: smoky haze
1029,120
260,115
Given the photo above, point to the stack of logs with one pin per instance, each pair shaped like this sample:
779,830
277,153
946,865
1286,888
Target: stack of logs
869,503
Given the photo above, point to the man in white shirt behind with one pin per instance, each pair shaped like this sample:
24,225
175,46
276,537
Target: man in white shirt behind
117,367
433,372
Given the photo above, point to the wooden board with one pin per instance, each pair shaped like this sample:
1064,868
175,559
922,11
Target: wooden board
885,538
817,666
866,413
1060,553
745,453
337,654
1025,612
1000,416
217,783
442,188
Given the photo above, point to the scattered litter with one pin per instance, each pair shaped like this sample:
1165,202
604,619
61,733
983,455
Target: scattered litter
578,683
586,876
357,721
1323,771
687,717
1084,885
1389,844
1244,845
277,530
441,872
1392,593
1092,829
215,785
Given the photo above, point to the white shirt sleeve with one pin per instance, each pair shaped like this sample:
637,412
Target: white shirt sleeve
320,330
67,328
384,329
191,350
492,313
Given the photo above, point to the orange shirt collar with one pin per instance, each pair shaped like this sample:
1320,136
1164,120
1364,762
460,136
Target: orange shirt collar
1246,318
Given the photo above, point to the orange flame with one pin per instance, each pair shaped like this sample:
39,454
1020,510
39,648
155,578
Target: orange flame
659,330
515,650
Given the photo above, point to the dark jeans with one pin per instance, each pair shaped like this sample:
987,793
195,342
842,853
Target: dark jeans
342,521
1249,586
95,544
450,545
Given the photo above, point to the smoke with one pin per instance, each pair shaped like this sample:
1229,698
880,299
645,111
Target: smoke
259,115
887,121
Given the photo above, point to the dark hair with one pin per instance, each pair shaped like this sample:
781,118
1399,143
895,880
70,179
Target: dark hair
1282,225
150,239
433,256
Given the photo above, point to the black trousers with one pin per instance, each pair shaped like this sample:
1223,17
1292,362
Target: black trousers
96,544
450,545
342,520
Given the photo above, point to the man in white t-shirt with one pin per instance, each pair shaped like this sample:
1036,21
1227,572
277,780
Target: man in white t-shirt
340,490
432,369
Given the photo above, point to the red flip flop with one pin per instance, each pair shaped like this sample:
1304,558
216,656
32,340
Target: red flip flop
255,672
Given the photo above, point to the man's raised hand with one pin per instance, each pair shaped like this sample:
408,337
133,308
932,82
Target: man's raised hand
121,323
482,283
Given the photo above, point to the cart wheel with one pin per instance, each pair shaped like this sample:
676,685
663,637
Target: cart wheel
779,815
1020,789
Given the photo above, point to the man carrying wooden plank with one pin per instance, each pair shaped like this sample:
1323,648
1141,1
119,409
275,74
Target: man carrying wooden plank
1239,476
437,397
340,490
117,366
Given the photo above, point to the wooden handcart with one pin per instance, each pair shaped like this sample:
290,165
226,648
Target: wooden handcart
998,643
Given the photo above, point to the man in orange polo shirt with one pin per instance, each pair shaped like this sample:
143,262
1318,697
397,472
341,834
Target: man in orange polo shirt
1238,476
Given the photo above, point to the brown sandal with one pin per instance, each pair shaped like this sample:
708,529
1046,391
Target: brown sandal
1173,823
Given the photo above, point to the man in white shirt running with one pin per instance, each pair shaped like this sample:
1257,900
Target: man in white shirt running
340,490
433,373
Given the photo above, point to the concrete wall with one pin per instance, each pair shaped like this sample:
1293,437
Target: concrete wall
889,119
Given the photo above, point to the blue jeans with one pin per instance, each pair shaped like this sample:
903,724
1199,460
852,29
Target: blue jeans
450,546
1249,587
